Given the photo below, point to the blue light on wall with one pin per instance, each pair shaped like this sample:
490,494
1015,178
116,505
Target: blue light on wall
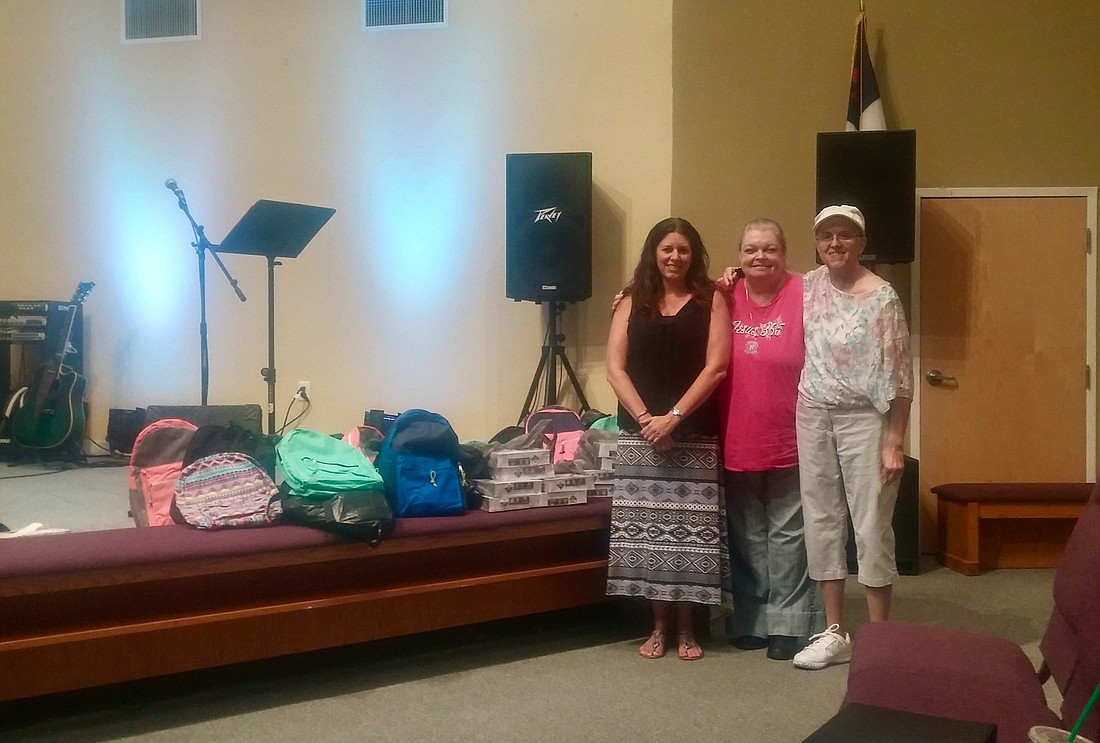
421,229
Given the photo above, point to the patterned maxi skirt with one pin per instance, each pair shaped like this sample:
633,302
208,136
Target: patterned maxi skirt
668,523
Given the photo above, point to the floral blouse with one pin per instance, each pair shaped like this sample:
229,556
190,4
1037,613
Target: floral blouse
857,347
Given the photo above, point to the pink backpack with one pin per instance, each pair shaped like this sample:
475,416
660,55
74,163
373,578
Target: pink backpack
155,464
366,439
564,433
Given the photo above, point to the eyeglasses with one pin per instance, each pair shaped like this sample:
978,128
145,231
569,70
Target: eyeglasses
844,237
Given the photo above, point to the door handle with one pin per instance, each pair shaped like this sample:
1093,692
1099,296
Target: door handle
936,378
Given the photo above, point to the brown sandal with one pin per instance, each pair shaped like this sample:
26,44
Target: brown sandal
687,645
654,646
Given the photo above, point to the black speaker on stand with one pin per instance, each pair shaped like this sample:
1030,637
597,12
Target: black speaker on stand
549,248
876,172
549,228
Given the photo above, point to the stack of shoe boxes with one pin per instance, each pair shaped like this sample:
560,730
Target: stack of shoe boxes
516,479
603,479
524,478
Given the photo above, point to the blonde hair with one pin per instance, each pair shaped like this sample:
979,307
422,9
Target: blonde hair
763,223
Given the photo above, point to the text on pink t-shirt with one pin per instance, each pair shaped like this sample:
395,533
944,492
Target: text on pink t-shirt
766,358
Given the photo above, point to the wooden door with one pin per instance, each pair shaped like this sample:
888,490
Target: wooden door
1003,320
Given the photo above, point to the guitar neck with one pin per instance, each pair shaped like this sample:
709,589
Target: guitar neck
53,370
49,373
63,349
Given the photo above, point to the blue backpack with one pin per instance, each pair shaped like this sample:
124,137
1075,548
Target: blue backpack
418,462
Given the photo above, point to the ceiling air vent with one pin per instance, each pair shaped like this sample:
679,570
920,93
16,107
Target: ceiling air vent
404,13
160,20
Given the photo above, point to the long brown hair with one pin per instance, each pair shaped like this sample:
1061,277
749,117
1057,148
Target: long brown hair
647,287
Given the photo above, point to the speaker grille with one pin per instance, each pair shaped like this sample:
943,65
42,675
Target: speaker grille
875,171
549,226
389,13
160,20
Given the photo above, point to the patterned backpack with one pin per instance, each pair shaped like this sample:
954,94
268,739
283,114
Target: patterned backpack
227,490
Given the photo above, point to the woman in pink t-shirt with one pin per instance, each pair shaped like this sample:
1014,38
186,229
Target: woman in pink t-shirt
776,605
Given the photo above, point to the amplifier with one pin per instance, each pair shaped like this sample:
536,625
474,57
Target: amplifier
30,332
28,307
23,328
22,335
22,321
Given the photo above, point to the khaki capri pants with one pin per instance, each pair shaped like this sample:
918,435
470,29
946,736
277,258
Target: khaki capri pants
840,469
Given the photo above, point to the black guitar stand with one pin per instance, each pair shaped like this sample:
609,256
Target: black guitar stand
552,352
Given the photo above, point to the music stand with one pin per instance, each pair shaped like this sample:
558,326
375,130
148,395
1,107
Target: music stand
274,229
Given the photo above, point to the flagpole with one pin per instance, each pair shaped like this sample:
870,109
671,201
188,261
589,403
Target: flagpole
863,92
861,36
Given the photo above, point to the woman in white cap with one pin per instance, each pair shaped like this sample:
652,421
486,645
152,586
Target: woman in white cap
853,407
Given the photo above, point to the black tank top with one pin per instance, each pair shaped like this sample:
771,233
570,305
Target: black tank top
664,355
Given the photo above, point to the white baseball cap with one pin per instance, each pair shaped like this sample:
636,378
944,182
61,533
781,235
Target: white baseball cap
851,213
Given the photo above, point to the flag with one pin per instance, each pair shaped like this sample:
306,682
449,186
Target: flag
864,105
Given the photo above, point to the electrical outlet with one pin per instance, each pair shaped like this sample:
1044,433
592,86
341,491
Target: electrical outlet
303,392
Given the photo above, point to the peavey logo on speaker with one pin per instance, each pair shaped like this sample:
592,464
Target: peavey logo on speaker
553,214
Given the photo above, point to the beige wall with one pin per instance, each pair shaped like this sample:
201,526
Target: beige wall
399,301
1000,92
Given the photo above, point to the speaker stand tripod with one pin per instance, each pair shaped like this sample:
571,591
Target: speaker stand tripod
552,352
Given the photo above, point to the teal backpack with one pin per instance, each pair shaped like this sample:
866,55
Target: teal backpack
313,464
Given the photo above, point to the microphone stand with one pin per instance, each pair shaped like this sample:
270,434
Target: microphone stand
202,246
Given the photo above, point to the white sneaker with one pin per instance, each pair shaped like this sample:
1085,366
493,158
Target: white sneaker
825,649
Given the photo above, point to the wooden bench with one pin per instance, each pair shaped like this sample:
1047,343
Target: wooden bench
1006,525
87,609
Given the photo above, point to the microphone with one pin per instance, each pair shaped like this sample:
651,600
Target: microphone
172,186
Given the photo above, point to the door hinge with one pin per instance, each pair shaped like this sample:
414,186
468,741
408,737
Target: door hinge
1088,377
1088,241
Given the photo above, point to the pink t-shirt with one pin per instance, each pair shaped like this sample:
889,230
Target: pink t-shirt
762,385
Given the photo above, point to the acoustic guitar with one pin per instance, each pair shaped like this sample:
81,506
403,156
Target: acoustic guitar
51,412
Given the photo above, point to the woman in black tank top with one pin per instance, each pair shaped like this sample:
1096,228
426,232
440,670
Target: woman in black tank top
667,352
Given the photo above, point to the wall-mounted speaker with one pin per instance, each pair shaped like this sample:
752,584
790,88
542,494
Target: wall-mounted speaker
549,226
877,172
